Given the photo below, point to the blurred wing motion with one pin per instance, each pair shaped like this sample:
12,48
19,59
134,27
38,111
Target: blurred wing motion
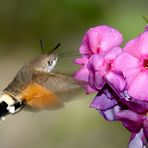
52,93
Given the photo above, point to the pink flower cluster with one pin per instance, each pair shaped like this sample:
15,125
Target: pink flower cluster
120,78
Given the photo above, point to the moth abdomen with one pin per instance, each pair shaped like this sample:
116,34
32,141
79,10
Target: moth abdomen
9,105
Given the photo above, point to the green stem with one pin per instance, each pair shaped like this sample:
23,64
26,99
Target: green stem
145,19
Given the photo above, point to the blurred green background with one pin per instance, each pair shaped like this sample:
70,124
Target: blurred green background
22,24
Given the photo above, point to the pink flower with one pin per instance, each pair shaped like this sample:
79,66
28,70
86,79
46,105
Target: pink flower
133,63
82,75
97,40
120,78
100,39
101,69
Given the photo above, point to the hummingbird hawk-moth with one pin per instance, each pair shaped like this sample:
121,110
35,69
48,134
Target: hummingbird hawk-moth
37,87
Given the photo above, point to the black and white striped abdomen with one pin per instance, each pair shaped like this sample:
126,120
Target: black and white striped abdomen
9,105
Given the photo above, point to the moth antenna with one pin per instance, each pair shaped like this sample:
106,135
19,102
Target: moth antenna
42,46
56,47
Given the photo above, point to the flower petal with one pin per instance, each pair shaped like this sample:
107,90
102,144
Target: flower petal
110,115
89,89
95,81
81,61
84,49
131,75
102,102
95,66
125,62
82,74
143,45
102,38
138,88
128,65
132,47
116,80
137,140
138,46
96,62
138,106
132,121
112,54
145,129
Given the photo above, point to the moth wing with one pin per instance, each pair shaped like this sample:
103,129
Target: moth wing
64,86
54,92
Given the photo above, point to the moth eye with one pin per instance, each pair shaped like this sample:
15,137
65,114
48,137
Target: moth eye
50,62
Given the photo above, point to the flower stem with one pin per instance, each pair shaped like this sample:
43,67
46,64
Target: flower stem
145,19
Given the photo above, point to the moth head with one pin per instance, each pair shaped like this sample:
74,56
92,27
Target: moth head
45,63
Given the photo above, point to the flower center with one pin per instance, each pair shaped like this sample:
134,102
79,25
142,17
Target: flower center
108,66
145,63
